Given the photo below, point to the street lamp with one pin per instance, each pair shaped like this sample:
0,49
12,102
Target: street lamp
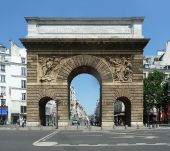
76,109
57,116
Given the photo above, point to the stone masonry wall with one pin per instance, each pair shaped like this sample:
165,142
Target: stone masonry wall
58,90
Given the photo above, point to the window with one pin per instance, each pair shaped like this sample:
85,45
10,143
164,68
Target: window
23,60
23,83
2,78
3,102
23,109
3,90
23,71
2,67
23,96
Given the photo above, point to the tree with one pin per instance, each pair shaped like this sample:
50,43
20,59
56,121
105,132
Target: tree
153,92
165,103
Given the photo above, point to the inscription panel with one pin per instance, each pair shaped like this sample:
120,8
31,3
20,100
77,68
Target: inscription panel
84,29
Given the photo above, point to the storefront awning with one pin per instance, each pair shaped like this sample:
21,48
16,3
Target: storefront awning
3,110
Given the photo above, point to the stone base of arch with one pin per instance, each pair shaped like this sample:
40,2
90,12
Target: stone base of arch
135,124
63,124
33,124
107,124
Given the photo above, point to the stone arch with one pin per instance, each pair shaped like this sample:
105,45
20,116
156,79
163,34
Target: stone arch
124,96
88,70
42,104
127,104
85,60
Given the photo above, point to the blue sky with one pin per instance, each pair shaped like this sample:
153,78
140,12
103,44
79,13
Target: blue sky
156,12
88,91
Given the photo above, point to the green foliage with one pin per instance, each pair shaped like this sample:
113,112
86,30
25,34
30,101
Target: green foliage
153,90
166,86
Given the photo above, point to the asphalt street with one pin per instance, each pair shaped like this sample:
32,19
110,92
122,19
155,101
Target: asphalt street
84,140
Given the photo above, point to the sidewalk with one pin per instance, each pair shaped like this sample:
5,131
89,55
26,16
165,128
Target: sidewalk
16,127
81,128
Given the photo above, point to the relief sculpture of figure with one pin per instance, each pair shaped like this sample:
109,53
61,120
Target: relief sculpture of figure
122,68
47,68
128,69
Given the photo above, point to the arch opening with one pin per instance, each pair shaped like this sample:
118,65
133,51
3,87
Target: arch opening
122,111
81,81
47,111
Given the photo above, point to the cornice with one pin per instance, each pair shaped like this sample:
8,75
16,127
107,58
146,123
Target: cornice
87,44
83,19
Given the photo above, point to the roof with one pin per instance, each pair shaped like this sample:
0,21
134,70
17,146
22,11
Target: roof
85,19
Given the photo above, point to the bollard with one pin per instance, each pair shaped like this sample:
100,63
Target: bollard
77,126
126,126
114,126
89,127
137,126
157,125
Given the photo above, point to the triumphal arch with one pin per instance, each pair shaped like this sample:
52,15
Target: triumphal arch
111,49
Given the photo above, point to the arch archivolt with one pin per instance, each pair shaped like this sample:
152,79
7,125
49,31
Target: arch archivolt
88,61
110,68
122,92
46,92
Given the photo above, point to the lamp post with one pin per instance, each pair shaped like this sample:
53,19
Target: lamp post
57,116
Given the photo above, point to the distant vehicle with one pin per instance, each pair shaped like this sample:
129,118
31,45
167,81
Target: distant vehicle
75,121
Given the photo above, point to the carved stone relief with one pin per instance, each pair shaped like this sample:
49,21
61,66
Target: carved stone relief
121,68
48,67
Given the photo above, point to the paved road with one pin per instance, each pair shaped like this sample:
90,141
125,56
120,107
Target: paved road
129,140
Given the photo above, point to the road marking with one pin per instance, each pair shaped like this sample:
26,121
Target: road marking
161,143
123,136
122,144
140,143
99,145
85,135
151,137
46,144
36,143
133,136
83,145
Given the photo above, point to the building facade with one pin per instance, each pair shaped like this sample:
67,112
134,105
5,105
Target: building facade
161,62
13,83
76,108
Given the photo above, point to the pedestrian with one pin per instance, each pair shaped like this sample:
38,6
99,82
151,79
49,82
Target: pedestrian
23,122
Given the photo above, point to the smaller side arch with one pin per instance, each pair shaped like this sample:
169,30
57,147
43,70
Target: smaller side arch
127,112
42,109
